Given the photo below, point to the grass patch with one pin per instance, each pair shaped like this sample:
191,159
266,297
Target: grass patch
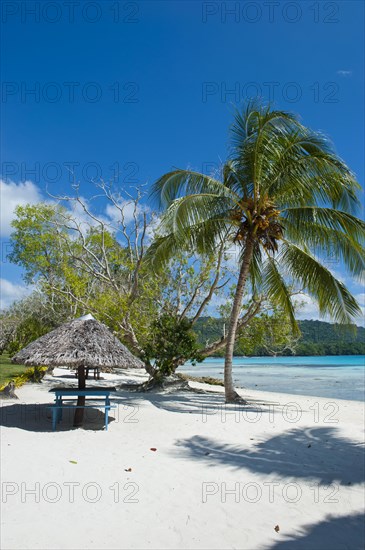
19,373
8,371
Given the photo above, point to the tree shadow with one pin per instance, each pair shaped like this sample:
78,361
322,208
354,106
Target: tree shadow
70,375
37,417
203,404
312,453
336,533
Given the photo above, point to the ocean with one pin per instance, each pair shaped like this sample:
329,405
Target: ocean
338,377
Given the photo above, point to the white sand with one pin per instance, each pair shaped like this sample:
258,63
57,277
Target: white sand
221,477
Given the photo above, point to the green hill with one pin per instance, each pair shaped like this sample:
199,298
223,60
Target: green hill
318,337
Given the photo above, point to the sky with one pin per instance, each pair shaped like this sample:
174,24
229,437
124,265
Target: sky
128,90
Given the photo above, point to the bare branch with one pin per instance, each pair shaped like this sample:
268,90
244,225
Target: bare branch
252,311
213,287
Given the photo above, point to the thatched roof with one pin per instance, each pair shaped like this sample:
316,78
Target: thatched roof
83,341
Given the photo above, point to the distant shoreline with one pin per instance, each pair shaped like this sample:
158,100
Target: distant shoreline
318,338
333,377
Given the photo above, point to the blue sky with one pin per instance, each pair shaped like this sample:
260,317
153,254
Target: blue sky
130,89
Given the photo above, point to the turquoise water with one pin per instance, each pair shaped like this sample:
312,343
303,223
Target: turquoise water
339,377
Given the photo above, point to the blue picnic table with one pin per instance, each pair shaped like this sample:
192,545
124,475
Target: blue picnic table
70,394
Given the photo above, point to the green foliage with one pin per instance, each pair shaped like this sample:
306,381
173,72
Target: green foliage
171,342
97,271
86,268
28,319
37,243
317,338
268,334
32,374
28,330
189,279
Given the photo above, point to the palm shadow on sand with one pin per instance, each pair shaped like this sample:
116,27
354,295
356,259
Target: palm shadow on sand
335,533
203,404
313,453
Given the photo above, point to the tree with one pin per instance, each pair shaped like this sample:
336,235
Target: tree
171,342
36,241
285,199
269,333
29,318
94,263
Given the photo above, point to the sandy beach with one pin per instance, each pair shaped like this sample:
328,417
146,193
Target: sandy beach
183,470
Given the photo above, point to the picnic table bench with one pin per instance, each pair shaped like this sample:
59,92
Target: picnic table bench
70,394
87,370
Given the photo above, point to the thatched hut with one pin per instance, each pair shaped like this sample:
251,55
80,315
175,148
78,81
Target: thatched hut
83,341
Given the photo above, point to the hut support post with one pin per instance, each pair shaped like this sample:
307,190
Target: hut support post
79,413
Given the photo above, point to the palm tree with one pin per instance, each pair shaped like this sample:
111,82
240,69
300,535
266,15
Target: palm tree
287,200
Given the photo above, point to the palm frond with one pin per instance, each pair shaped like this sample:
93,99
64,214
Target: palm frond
302,167
332,246
276,289
193,223
329,218
333,297
248,135
332,239
192,210
178,183
161,251
255,117
256,267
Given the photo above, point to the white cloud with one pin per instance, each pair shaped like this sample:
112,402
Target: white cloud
344,73
12,195
9,292
115,215
152,228
79,218
309,308
129,211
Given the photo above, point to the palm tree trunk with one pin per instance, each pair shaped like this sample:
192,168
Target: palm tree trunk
230,393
